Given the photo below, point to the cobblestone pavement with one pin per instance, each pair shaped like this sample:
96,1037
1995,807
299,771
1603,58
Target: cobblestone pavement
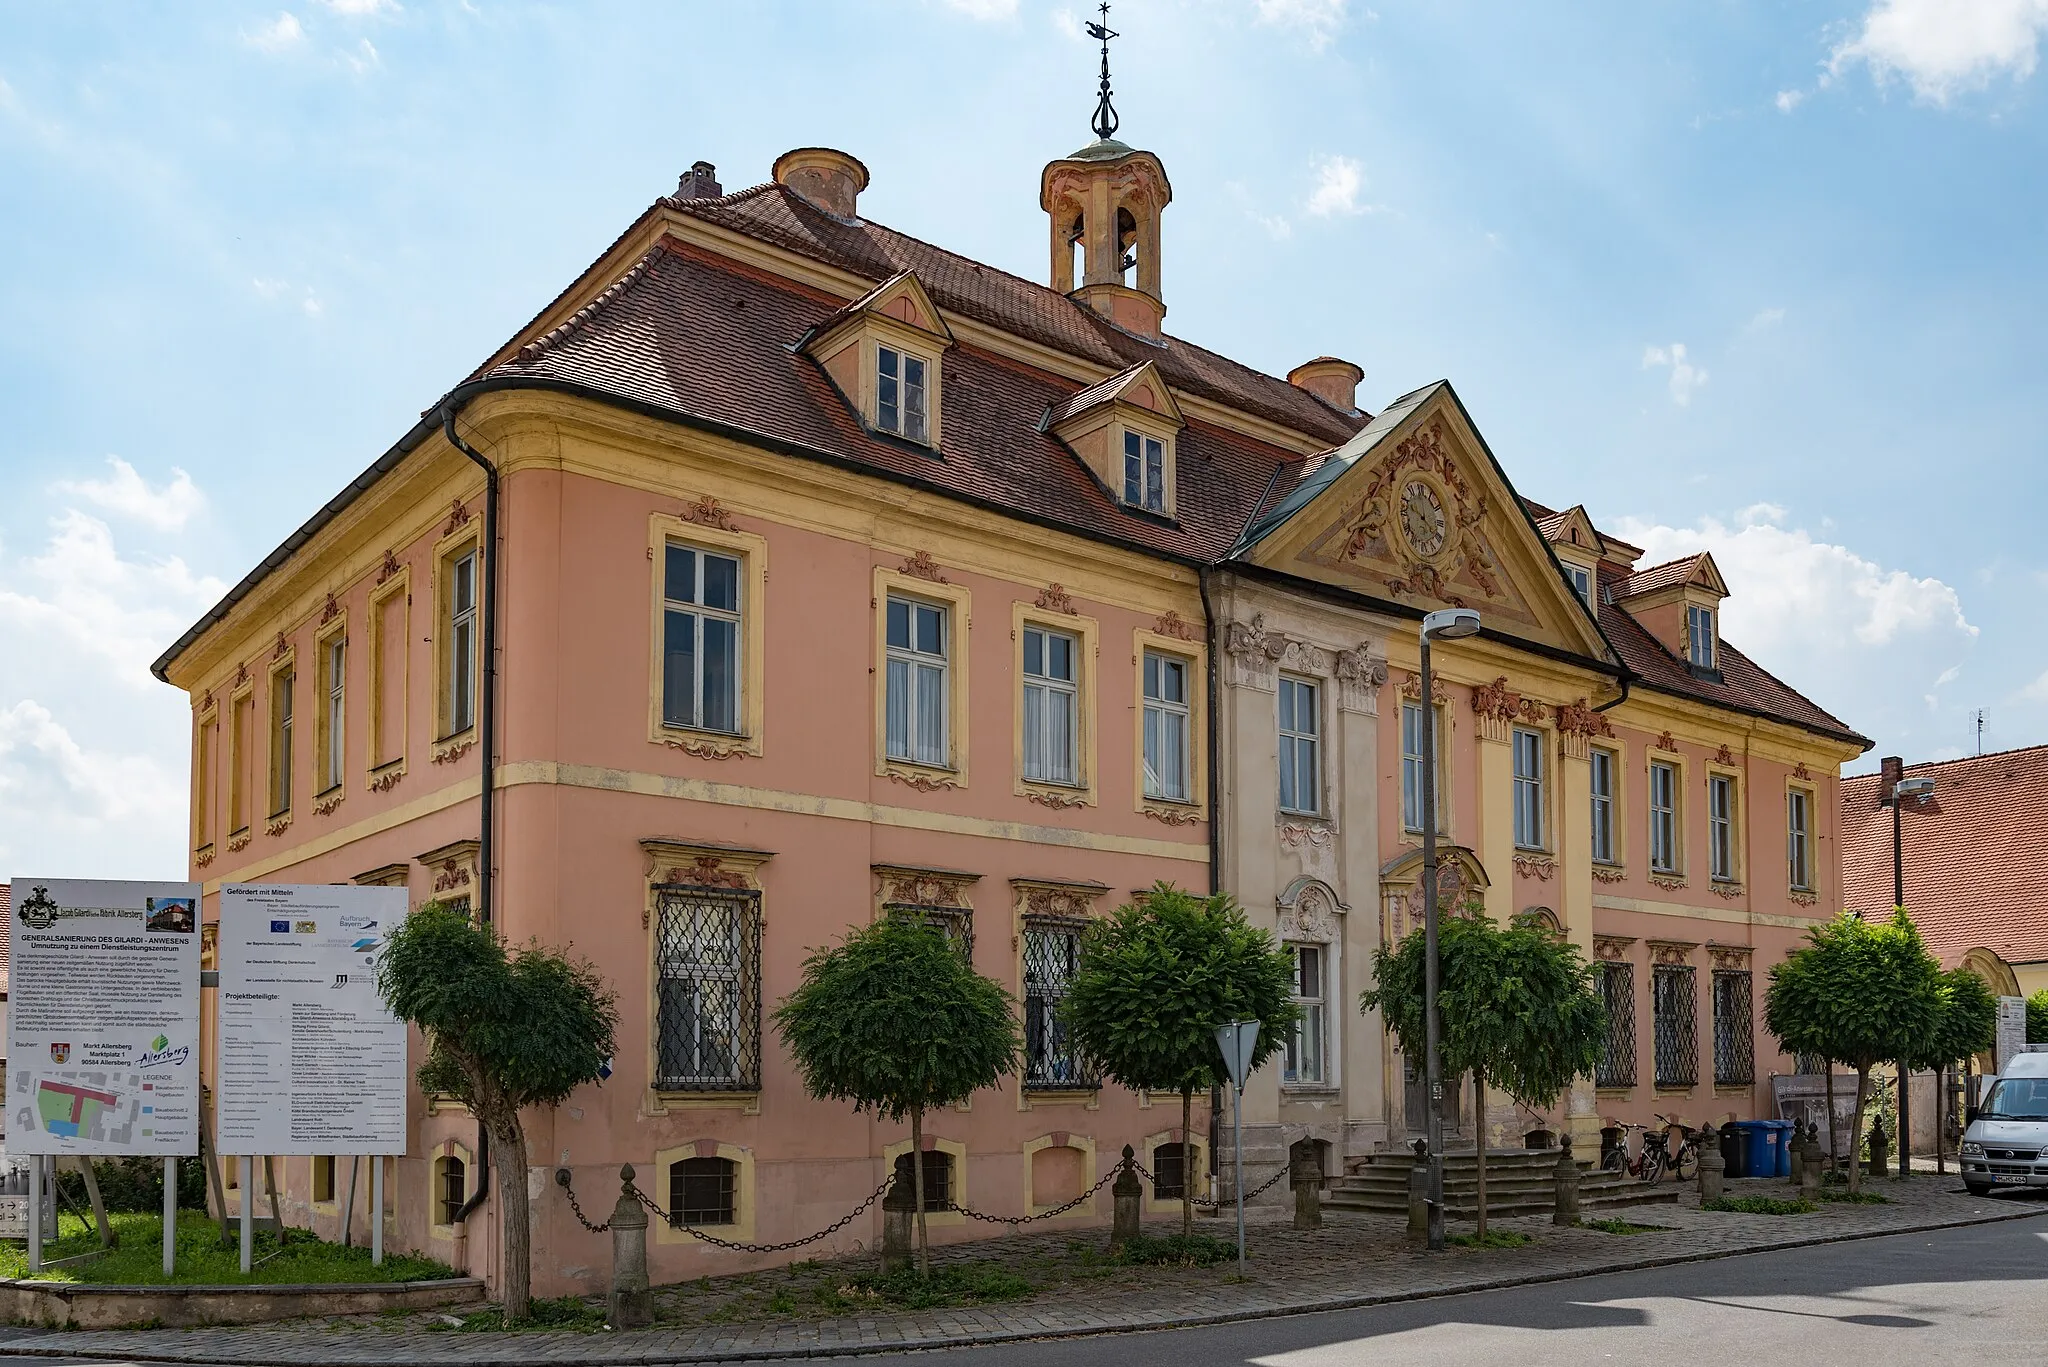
1355,1260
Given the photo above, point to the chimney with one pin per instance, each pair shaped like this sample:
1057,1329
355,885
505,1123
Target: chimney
1333,381
699,182
1890,770
826,179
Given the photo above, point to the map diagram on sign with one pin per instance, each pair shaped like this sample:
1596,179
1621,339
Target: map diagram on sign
99,1105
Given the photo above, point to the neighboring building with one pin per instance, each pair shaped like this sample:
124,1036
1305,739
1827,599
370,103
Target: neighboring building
778,484
1975,857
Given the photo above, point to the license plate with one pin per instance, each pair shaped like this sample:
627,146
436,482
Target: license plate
2010,1177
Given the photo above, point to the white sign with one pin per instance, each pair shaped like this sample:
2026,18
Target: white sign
311,1060
103,1018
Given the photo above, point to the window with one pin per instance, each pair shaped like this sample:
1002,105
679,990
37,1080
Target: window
1412,738
1602,773
708,988
703,1191
900,393
1617,1066
938,1178
323,1178
450,1188
281,687
1663,818
1300,748
1169,1172
954,925
1699,636
1145,472
1528,789
333,664
917,663
461,653
700,639
241,760
1166,727
205,748
1673,1021
1721,828
1734,1029
1798,840
1051,704
1582,583
386,677
1052,951
1305,1046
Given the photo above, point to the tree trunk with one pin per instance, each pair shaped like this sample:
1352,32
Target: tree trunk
1832,1149
515,1216
1856,1130
924,1247
1187,1165
1904,1126
1479,1108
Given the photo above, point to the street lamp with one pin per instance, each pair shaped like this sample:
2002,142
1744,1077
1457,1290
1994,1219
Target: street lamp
1447,624
1907,789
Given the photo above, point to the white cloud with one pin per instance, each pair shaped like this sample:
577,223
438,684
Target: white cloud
1944,48
1318,19
361,9
364,58
1686,378
984,9
1069,24
1338,183
279,35
66,809
2037,691
1765,318
1788,100
127,494
1761,512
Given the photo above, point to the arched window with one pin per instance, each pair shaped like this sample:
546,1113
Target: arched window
1169,1172
704,1191
451,1176
938,1178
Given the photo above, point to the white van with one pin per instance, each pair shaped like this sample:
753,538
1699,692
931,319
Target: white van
2010,1131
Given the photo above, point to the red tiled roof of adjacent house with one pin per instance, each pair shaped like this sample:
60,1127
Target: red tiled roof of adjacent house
1976,854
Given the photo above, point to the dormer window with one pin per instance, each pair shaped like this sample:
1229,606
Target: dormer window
900,393
1699,637
1582,583
1144,472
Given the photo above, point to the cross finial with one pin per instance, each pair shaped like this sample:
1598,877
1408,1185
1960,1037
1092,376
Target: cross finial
1105,121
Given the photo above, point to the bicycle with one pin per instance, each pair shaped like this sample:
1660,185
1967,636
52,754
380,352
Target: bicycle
1649,1163
1685,1163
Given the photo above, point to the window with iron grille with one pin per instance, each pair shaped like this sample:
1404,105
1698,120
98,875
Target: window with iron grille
1675,1023
453,1190
703,1191
1617,1067
1169,1172
938,1177
1052,950
1809,1065
1734,1029
708,985
954,924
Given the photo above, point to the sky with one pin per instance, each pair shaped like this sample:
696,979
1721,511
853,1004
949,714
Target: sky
1763,277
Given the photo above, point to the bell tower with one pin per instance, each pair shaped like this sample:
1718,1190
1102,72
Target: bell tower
1103,205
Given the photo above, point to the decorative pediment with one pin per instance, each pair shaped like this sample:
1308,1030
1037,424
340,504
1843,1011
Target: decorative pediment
885,352
1132,414
900,300
1573,527
910,885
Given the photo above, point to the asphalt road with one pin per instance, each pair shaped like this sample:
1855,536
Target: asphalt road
1975,1295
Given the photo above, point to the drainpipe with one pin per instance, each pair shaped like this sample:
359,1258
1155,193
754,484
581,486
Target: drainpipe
487,746
1213,749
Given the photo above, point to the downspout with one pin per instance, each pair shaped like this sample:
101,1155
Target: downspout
487,724
1215,785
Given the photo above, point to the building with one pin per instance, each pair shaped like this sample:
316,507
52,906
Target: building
837,572
1975,859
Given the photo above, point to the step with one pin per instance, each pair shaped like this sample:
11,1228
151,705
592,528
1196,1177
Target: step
1465,1205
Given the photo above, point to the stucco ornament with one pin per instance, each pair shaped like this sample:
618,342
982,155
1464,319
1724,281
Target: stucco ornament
1314,913
1576,718
1172,624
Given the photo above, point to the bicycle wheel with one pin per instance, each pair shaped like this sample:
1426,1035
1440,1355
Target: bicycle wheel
1614,1160
1653,1165
1687,1165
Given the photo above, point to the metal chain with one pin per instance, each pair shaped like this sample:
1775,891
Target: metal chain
1015,1220
1262,1189
562,1179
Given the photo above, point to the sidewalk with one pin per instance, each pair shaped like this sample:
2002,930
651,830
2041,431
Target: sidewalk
1356,1259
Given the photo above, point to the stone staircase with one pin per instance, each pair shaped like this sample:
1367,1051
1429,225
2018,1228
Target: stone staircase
1518,1182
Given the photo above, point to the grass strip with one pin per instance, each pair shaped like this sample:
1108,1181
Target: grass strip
1758,1205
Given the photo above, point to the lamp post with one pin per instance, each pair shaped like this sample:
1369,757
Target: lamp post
1448,624
1905,789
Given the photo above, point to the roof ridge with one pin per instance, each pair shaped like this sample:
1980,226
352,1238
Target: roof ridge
737,196
583,317
1959,759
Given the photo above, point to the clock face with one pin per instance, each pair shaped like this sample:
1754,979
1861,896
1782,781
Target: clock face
1422,518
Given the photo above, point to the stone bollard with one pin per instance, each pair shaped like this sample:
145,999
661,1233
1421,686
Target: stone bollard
1567,1212
1125,1195
1713,1167
1880,1149
1795,1146
631,1305
1418,1192
1305,1175
1810,1170
1816,1157
899,1212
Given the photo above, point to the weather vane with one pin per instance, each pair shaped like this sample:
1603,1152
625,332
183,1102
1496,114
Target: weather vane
1105,120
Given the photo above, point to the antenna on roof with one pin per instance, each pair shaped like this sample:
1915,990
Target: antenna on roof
1978,718
1105,121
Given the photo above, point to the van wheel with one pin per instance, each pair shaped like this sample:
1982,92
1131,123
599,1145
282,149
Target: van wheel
1977,1188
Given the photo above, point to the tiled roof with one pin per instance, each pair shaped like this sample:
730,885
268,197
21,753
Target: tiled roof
1012,303
1976,854
1657,577
1744,684
1099,392
700,336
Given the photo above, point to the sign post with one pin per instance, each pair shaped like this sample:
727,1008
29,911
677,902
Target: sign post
170,1216
1238,1040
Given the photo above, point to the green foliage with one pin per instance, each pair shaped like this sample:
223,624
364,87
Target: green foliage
2037,1017
1846,1197
1759,1205
505,1029
1157,978
1178,1250
562,1312
953,1284
1491,1238
895,1020
1966,1024
135,1183
1615,1226
1857,992
204,1260
1518,1007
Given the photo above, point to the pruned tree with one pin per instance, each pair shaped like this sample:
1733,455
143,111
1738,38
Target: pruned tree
1517,1007
895,1020
2037,1017
1966,1026
1858,993
1155,980
506,1028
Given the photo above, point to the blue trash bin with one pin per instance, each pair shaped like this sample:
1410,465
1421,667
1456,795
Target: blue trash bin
1737,1152
1760,1140
1785,1130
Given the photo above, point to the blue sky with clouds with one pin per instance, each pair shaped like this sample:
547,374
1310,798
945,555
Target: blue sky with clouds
1763,276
